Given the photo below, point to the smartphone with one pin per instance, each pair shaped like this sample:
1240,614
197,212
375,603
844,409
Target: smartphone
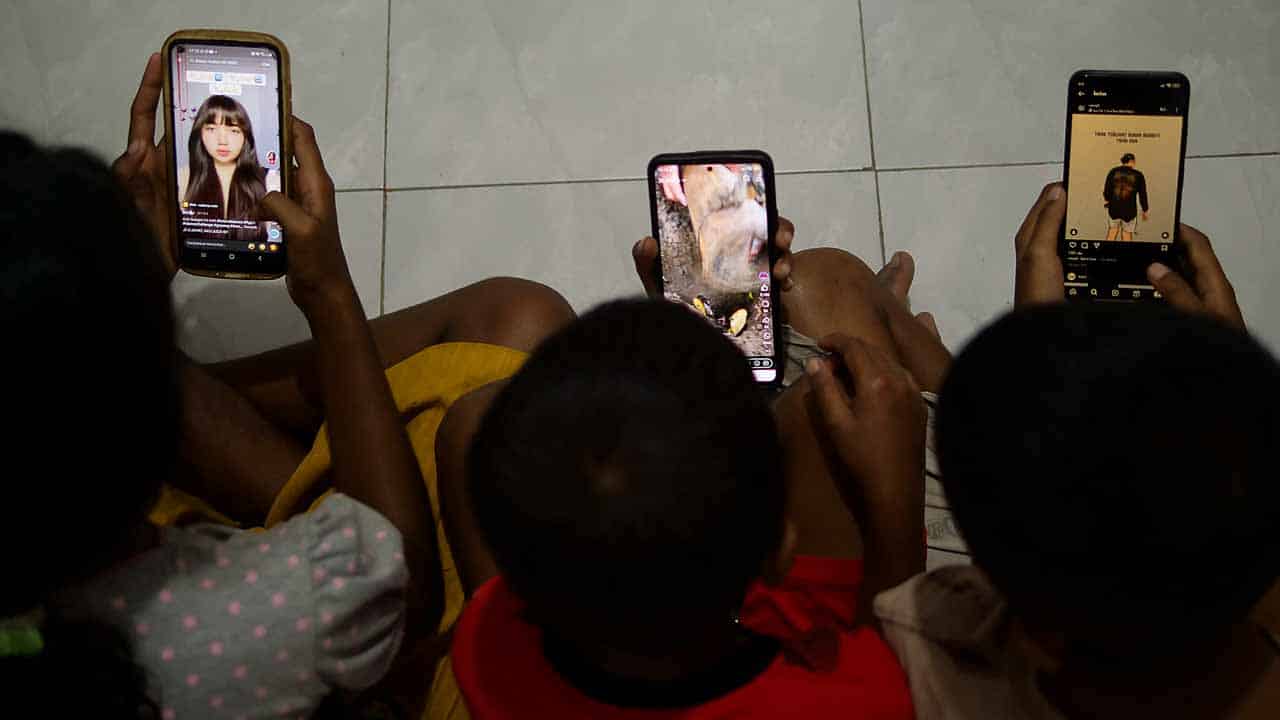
227,110
1126,141
714,216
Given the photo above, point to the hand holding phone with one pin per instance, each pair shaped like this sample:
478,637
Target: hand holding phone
318,271
645,256
226,120
141,170
1206,288
1038,274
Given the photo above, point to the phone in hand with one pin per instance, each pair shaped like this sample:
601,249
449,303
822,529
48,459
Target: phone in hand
1126,142
226,120
714,216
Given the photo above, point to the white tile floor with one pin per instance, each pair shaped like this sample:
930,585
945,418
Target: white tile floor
471,139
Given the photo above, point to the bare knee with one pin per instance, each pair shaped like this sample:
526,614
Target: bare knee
517,313
823,278
835,292
828,266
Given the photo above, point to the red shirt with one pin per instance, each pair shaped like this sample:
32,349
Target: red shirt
825,669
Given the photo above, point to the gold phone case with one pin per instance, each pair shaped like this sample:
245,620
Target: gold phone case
286,134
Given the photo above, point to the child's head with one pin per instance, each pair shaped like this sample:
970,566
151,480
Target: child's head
1113,472
90,377
91,399
628,480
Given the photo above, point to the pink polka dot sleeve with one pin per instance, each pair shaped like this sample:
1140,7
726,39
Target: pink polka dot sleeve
358,581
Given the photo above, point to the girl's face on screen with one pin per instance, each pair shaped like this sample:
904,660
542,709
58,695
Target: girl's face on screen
222,142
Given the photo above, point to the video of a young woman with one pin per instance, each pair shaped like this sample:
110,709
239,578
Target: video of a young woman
227,145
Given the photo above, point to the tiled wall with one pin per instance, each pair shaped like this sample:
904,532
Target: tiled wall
475,138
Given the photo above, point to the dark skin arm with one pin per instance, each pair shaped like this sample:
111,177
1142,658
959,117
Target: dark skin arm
373,460
874,420
227,446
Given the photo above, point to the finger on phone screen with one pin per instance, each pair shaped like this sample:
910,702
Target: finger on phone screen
285,211
1176,290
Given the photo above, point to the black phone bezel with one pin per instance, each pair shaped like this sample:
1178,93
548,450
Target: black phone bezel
744,157
1154,76
217,263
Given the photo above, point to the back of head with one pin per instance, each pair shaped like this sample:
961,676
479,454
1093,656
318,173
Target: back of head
628,479
90,386
1111,469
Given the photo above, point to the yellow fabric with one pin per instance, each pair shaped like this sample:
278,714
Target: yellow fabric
175,507
424,386
444,702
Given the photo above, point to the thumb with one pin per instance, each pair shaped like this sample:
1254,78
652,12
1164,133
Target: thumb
645,256
831,399
275,206
1174,288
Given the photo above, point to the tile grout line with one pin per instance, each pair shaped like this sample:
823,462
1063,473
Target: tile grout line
585,181
780,173
871,135
1234,155
386,124
969,166
1033,163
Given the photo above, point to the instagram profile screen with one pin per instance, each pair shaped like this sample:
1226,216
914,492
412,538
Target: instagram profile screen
713,234
1124,176
227,155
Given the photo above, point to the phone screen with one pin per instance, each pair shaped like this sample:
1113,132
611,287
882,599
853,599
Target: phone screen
227,120
1126,137
713,225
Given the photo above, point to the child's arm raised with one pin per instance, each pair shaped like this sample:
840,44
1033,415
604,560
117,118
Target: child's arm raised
373,460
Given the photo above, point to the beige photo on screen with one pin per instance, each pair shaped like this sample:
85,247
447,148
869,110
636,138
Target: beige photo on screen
1098,143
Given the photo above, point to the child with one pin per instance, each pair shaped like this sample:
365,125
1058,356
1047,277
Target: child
1112,471
107,611
628,483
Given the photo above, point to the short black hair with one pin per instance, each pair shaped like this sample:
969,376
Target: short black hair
628,479
1127,158
89,372
1113,471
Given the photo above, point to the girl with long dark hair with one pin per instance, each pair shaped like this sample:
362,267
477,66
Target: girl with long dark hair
223,169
